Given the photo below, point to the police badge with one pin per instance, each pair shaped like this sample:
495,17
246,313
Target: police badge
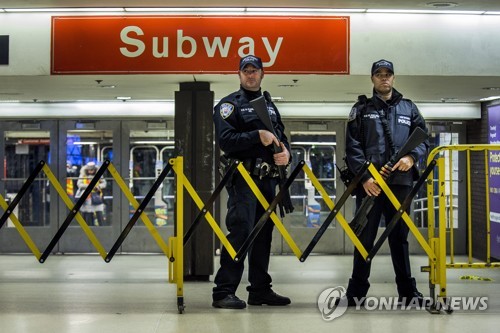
226,109
352,114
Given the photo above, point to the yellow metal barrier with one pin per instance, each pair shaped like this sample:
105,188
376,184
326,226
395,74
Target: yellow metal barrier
87,230
181,179
174,249
343,223
406,218
445,228
19,227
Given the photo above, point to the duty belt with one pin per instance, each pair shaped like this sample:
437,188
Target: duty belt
256,167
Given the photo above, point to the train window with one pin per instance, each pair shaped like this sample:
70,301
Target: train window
150,152
85,152
23,151
317,149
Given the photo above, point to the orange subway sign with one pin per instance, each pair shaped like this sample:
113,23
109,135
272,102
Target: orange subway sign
198,44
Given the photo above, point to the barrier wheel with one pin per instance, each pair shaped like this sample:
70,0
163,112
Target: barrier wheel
180,305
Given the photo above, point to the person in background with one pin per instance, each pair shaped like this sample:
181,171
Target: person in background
243,136
376,128
93,207
71,179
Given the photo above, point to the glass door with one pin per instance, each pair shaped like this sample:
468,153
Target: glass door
22,146
149,147
316,144
84,146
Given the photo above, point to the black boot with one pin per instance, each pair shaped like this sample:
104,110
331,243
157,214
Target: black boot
229,302
409,294
268,297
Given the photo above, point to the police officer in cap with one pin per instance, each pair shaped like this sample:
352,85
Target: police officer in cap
241,135
376,129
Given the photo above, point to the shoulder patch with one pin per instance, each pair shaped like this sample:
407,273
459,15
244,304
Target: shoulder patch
352,114
226,109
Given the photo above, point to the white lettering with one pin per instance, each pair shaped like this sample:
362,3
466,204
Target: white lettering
469,303
404,121
187,46
180,41
156,49
217,44
359,302
414,303
455,303
385,303
484,303
273,53
250,46
132,41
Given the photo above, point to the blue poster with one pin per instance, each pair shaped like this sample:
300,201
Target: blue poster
494,179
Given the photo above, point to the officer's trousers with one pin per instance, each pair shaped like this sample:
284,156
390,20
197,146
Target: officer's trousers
398,244
243,211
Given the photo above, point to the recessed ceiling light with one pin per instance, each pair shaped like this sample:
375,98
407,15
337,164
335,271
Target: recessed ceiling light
441,4
123,98
108,86
449,99
491,88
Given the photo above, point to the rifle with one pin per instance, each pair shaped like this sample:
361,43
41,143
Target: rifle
260,107
361,218
404,206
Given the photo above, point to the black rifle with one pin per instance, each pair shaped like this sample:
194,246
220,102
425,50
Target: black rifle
260,107
361,218
404,206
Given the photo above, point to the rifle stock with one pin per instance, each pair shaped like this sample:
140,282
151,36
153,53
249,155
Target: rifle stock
361,218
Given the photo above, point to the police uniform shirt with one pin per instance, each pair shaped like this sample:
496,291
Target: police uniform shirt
237,127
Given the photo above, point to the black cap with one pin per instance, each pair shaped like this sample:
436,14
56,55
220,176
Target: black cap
250,59
382,64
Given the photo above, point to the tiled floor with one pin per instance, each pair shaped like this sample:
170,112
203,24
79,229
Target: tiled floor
73,294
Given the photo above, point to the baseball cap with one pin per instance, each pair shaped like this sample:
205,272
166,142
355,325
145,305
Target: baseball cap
250,59
382,64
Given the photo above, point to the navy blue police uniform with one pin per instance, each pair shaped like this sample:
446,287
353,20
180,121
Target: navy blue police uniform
366,140
237,130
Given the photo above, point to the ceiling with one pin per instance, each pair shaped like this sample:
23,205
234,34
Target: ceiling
296,88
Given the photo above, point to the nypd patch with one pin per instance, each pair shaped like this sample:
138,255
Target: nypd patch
352,115
226,109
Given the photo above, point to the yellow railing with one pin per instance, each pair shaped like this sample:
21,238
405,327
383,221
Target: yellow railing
445,228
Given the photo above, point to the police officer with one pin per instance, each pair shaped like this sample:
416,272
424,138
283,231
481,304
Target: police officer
377,127
242,135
